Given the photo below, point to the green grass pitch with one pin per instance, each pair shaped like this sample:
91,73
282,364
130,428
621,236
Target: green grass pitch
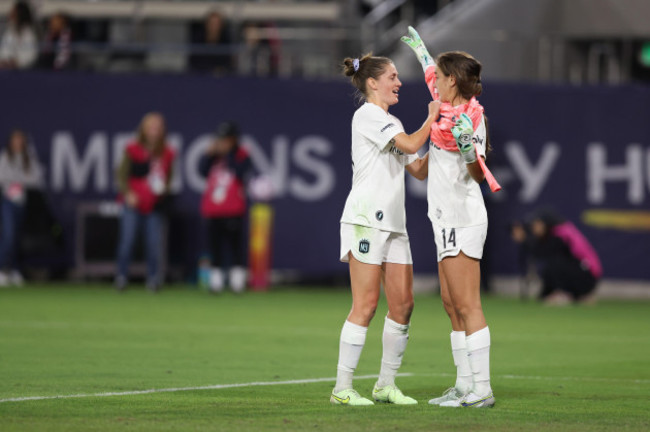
553,369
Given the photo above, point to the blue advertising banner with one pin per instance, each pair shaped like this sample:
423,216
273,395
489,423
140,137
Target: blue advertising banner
582,150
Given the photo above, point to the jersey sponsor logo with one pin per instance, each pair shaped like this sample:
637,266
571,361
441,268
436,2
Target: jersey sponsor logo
379,215
388,126
477,140
364,246
396,151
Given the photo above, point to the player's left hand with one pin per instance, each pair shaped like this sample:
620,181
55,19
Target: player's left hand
463,131
414,42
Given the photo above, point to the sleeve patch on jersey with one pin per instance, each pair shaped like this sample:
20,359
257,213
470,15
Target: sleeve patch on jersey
388,126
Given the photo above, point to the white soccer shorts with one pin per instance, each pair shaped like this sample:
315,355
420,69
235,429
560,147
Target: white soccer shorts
451,241
374,246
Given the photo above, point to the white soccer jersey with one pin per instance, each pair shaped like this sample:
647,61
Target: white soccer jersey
455,199
377,196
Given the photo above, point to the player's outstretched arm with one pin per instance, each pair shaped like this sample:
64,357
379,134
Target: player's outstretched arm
411,143
414,42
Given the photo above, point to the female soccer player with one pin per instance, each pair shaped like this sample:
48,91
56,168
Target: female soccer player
373,227
457,212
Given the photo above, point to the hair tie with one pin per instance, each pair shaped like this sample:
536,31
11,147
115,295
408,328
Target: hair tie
355,63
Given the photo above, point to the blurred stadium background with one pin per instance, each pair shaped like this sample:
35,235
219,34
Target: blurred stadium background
567,92
566,89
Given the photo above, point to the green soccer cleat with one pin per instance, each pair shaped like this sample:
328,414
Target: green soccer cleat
349,397
472,400
451,394
391,394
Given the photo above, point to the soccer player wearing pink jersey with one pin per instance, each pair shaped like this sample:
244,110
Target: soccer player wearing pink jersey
459,141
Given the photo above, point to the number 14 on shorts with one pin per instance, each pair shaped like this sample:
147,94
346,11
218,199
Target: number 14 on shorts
451,239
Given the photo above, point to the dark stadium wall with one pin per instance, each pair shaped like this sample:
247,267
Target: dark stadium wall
583,150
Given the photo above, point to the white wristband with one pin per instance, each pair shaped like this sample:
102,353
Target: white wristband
470,156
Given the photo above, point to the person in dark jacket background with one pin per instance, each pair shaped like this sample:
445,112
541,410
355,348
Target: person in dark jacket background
568,265
227,168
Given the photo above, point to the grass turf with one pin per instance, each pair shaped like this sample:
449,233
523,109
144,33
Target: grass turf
559,369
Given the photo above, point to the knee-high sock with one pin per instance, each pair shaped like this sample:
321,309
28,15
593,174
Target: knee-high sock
353,337
478,349
464,379
394,341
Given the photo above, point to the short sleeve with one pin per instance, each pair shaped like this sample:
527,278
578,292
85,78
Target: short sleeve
480,138
377,126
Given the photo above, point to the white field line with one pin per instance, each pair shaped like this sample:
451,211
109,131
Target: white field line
180,389
305,381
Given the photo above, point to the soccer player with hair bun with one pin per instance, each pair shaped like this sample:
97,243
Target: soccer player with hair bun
374,240
459,140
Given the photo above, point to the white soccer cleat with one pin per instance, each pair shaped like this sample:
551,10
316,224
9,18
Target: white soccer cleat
391,394
216,280
237,278
349,397
472,400
451,394
15,278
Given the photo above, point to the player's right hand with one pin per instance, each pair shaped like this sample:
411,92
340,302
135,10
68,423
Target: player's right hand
434,109
463,131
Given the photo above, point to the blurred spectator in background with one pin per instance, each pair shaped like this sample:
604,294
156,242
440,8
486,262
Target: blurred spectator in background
213,35
261,56
56,53
19,44
227,168
567,263
144,177
19,171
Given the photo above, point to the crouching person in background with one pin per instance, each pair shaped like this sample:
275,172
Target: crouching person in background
19,170
567,263
144,177
227,168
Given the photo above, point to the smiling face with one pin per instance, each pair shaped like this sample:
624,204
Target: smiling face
385,88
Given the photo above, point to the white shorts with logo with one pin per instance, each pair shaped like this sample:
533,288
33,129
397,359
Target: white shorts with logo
451,241
374,246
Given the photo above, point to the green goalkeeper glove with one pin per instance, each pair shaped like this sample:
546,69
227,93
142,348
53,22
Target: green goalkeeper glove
463,131
416,44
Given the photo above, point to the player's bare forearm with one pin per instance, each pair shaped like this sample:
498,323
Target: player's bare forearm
476,172
419,168
410,144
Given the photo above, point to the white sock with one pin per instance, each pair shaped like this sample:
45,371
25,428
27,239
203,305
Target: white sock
464,378
216,280
478,349
353,337
237,278
394,341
